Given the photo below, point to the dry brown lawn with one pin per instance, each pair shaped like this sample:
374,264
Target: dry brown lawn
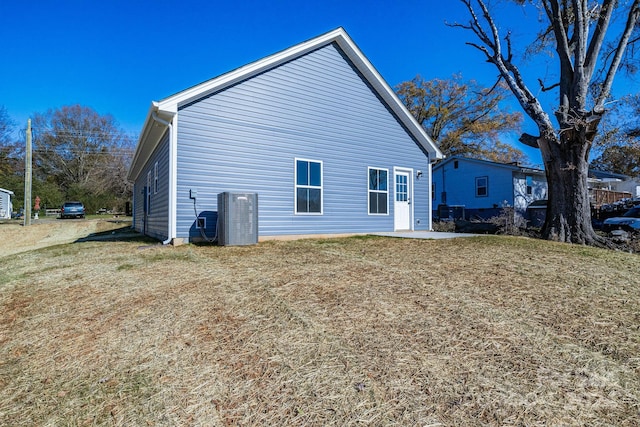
352,331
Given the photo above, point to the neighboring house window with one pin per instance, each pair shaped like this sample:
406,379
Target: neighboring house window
378,191
455,164
529,180
308,193
155,178
433,191
482,186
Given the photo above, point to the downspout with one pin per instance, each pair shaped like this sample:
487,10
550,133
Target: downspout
430,163
171,203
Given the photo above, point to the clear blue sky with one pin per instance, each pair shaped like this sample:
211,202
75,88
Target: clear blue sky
117,56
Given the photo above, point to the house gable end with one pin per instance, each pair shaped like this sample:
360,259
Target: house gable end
247,137
347,60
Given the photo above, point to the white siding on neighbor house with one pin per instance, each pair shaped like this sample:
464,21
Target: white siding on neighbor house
5,205
158,218
246,137
538,189
630,186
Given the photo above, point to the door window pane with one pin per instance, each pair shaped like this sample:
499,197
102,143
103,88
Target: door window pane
401,188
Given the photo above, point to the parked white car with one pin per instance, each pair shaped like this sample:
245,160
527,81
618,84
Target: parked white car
630,221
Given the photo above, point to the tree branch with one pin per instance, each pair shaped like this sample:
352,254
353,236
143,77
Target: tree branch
529,140
632,20
510,73
545,88
604,18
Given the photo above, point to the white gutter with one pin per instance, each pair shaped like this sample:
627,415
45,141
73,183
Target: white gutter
172,179
429,191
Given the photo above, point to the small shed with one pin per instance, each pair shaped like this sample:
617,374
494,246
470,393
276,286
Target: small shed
6,207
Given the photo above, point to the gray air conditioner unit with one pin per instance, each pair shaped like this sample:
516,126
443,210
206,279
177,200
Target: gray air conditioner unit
237,218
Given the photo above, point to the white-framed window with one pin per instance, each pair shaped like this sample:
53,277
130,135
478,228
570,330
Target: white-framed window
378,191
529,182
308,186
482,186
148,192
155,178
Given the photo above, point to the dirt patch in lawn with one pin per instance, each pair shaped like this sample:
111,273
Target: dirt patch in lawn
16,238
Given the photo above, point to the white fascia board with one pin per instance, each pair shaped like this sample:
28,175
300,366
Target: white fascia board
147,141
172,103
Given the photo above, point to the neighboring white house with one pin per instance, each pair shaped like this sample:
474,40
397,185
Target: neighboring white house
616,182
482,188
6,207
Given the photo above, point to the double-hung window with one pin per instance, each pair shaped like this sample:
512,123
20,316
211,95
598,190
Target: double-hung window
482,186
148,195
529,183
378,191
155,178
308,194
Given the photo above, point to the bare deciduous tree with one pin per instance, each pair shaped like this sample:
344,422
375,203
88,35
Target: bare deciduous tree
85,152
585,43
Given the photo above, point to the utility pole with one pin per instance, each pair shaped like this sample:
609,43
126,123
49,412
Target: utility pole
27,177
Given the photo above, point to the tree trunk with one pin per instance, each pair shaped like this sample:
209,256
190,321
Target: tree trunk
569,210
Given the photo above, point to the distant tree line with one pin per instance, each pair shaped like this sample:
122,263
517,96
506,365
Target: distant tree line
78,154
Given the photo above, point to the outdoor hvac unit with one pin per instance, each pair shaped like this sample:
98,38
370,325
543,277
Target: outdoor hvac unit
237,218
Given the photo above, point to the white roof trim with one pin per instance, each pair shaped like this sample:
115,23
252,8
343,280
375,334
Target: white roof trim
171,104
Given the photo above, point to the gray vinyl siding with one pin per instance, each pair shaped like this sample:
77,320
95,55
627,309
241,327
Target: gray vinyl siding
158,218
317,107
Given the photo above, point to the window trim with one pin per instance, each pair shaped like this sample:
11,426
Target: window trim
148,193
369,191
486,186
155,178
296,186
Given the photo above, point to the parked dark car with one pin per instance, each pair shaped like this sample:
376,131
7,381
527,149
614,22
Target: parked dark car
630,221
72,210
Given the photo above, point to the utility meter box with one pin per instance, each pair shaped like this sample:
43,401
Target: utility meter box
237,219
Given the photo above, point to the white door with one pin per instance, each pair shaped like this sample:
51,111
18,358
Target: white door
402,203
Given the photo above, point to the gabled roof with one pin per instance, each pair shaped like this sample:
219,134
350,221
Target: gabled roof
166,108
511,166
604,175
6,191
